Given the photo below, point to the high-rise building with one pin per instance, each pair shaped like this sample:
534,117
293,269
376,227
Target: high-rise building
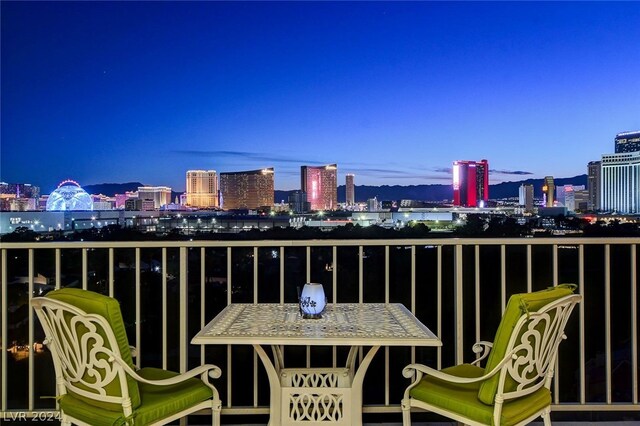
18,196
593,185
20,190
160,195
298,202
470,183
202,189
247,190
122,198
321,185
548,191
566,196
350,190
620,182
628,142
526,197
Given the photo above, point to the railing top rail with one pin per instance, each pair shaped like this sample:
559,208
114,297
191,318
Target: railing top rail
321,243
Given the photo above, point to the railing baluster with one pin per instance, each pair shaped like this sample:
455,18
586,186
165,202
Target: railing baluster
529,269
183,310
58,265
503,278
138,317
634,323
555,265
459,317
334,274
386,349
30,319
165,355
5,328
255,275
556,379
84,268
581,290
607,318
229,353
308,263
229,277
477,290
413,293
255,379
360,274
203,279
439,297
255,301
334,283
281,275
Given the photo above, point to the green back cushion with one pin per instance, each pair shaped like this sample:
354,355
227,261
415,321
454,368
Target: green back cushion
109,308
514,310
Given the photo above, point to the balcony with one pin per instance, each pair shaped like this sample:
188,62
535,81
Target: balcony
457,287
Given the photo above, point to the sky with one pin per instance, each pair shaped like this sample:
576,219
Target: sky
393,92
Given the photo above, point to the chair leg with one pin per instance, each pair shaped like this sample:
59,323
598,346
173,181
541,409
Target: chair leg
215,412
546,417
64,420
406,412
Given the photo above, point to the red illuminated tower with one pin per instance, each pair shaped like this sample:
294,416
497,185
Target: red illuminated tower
321,185
470,183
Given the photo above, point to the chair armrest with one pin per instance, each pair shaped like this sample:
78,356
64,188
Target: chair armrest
483,348
203,371
421,369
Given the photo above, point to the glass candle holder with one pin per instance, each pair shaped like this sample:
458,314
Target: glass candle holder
312,301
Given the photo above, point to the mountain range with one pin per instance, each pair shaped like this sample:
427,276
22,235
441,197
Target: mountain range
432,192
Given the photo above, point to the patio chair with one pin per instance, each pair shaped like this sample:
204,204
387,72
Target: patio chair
96,381
514,386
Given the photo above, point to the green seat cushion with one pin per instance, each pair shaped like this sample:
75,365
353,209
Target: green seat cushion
109,308
518,305
158,402
463,398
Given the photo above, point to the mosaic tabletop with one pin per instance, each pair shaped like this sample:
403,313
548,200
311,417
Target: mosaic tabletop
388,324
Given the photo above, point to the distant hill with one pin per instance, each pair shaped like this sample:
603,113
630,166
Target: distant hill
435,192
510,189
439,192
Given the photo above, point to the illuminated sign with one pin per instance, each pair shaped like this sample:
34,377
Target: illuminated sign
628,133
456,176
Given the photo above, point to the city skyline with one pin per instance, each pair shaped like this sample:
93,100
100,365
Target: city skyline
391,92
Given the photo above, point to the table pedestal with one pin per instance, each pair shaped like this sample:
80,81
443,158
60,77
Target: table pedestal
315,396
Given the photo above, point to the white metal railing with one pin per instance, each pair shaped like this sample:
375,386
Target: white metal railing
458,251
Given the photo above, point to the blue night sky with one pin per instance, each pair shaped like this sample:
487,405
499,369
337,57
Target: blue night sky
392,92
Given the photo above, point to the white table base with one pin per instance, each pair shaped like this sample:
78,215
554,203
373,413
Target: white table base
315,396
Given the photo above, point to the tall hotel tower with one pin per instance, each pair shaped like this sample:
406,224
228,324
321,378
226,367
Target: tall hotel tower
321,185
593,185
627,142
525,197
160,195
470,183
350,190
620,182
247,190
548,190
202,189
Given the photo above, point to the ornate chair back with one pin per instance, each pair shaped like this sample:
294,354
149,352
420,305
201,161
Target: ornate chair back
533,347
82,346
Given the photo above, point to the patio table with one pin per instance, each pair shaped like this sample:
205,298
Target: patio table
316,395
